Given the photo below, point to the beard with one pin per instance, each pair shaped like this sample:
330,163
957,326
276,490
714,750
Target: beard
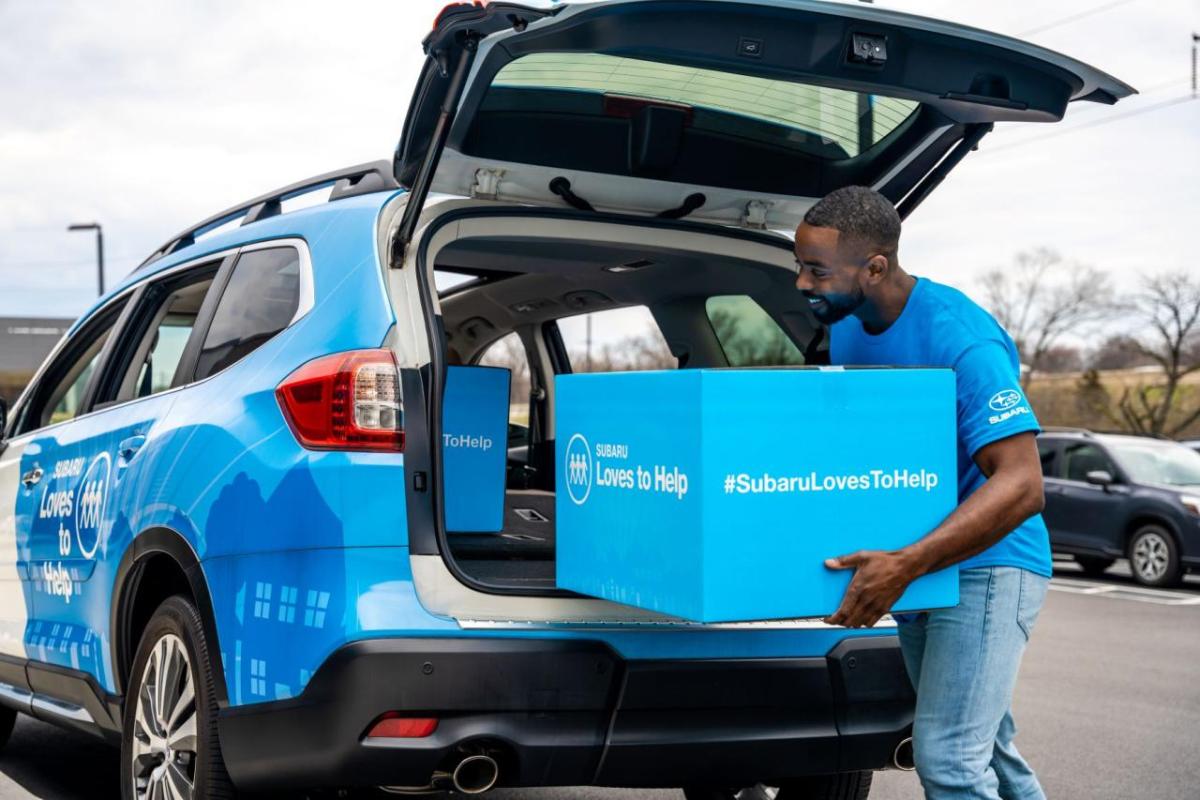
835,307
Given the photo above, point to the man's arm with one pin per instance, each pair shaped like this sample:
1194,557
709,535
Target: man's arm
1011,494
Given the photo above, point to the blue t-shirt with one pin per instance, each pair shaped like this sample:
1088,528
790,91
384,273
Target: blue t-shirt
942,327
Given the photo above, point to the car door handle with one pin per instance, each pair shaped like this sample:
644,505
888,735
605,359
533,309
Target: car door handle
33,476
129,447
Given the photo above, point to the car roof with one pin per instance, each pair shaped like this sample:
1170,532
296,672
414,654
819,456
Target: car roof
1106,438
305,223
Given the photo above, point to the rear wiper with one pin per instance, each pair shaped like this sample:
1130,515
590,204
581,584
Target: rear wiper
562,187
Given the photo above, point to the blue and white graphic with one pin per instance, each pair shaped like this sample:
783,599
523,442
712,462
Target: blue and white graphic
475,447
1004,400
90,502
579,469
716,495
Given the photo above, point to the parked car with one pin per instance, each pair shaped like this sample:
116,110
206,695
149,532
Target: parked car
223,505
1112,496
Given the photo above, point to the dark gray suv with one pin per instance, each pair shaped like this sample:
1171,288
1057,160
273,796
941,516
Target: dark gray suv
1112,496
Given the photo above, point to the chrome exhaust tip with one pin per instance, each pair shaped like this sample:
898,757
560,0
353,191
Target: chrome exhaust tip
475,774
902,756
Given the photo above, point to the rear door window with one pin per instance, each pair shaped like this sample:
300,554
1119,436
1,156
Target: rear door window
615,340
748,334
508,353
153,364
1080,459
1048,453
260,300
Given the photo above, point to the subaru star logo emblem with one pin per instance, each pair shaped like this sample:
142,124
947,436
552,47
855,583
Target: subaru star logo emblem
89,504
579,469
1004,399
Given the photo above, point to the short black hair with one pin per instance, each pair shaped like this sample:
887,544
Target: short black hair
861,215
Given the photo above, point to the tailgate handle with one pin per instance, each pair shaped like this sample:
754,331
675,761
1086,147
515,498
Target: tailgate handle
986,100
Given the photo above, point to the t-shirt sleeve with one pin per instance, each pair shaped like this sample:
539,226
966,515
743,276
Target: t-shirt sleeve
991,405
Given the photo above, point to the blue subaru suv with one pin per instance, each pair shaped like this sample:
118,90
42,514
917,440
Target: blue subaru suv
223,508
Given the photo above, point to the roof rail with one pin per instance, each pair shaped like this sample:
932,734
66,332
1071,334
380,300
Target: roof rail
374,176
1065,429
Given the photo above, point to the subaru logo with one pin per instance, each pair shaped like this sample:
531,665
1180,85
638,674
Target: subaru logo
90,500
579,469
1004,399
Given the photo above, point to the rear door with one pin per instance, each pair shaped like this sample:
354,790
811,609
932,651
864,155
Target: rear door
1090,516
93,456
736,112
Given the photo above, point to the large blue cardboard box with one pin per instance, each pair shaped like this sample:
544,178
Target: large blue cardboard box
475,447
716,495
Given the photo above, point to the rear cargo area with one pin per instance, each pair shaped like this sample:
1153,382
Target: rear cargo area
574,295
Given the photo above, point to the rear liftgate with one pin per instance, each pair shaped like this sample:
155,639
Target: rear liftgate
952,83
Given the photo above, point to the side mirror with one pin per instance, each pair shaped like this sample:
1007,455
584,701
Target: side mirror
1101,477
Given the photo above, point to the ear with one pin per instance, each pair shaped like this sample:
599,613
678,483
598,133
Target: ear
877,268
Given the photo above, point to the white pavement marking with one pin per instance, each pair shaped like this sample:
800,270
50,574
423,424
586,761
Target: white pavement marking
1141,594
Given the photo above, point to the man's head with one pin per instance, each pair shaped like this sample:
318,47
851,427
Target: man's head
846,250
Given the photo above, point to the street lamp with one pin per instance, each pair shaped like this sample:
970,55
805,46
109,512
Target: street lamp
94,226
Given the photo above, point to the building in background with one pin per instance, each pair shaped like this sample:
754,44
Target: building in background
24,344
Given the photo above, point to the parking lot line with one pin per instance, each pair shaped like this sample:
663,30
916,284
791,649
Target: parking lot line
1141,594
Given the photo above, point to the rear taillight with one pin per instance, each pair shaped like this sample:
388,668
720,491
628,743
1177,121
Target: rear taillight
346,401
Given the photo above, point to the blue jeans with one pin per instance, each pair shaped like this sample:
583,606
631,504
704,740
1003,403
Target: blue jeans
963,664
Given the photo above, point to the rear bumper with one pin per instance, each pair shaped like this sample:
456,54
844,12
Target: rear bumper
568,712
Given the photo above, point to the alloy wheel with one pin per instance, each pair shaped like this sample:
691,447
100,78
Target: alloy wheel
164,727
1151,555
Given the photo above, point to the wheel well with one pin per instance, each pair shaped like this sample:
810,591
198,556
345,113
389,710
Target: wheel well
156,577
1147,519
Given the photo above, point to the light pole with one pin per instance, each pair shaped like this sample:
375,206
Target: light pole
94,226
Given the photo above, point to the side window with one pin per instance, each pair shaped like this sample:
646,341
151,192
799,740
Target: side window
509,352
259,301
1048,452
1081,458
748,335
60,395
615,340
168,323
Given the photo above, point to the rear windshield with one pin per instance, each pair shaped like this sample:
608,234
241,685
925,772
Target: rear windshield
829,123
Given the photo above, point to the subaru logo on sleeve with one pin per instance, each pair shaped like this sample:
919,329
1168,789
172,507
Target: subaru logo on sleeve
1004,399
579,469
89,504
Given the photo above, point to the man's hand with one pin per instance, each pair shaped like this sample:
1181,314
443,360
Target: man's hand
879,579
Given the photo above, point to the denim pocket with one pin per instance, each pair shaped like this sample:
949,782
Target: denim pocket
1030,600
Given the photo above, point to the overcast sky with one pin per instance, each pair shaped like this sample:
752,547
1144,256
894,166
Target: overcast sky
148,116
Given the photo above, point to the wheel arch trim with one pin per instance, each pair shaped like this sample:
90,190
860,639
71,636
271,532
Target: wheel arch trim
153,542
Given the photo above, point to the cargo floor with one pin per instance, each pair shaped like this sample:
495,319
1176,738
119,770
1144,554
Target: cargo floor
522,554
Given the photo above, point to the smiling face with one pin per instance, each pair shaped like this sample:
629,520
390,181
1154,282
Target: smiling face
832,274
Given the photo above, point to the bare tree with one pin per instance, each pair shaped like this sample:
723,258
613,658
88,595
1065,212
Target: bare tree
1169,304
1041,298
1119,351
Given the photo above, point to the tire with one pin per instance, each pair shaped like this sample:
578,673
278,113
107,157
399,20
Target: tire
844,786
172,661
8,718
1154,557
1093,566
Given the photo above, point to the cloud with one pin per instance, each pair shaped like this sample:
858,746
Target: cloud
148,116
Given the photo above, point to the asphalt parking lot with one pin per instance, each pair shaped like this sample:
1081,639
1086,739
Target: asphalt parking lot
1107,706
